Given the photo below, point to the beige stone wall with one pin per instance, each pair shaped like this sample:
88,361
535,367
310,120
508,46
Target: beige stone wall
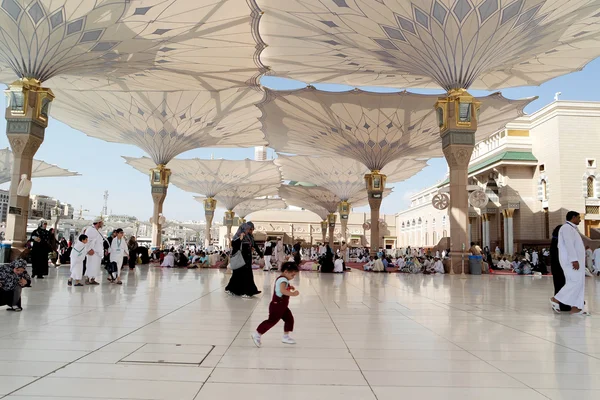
307,225
562,136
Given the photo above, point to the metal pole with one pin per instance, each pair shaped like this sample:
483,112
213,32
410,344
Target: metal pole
462,275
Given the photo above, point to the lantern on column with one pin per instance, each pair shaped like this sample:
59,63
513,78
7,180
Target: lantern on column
159,176
332,218
229,216
375,182
324,226
344,209
210,204
457,111
25,94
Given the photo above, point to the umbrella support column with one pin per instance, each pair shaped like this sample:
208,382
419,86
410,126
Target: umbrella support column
210,204
26,121
375,187
457,117
159,181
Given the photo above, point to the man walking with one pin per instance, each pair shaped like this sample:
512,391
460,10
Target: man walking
571,253
96,253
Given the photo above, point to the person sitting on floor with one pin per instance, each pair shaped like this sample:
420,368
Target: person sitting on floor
369,266
182,260
438,266
13,278
400,263
524,268
503,264
378,265
168,260
338,265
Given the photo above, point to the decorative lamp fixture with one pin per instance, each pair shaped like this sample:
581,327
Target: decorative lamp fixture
332,219
229,216
324,225
28,93
375,182
160,176
458,111
344,209
210,204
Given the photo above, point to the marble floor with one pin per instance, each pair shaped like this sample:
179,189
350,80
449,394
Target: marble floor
175,334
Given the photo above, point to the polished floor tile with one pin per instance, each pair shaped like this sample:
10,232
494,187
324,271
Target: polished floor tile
174,334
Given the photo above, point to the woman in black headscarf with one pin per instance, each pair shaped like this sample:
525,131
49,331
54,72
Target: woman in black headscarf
13,277
40,250
558,275
327,260
242,279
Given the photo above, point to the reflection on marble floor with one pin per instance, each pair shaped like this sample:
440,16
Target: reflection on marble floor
175,334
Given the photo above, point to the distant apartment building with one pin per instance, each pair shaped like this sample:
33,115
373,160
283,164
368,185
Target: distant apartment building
3,205
45,207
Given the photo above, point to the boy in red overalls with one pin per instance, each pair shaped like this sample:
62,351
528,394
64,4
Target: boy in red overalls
278,309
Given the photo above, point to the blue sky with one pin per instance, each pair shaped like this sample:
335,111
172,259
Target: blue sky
102,167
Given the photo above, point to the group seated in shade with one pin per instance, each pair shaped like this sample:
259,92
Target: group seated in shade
411,265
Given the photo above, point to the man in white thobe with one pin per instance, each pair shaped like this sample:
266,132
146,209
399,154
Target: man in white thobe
96,253
535,259
571,253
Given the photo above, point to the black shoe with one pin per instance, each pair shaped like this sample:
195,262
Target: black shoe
70,282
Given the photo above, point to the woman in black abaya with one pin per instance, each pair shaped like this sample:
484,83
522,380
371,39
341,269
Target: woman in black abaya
242,279
40,250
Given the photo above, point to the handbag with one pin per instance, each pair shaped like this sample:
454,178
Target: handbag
111,267
237,261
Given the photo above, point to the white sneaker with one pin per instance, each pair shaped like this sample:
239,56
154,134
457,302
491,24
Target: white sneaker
555,306
256,339
288,340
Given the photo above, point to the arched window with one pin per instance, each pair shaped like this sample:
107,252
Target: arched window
544,190
426,239
591,187
445,234
444,222
434,238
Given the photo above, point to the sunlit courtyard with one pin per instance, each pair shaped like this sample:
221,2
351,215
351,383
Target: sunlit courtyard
174,334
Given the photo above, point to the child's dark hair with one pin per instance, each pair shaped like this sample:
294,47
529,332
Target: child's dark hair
289,266
82,238
118,231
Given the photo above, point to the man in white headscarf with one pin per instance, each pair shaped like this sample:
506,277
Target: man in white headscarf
571,253
96,252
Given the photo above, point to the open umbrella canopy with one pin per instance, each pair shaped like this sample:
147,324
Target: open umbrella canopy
342,176
249,206
165,124
232,197
40,169
210,177
372,128
130,45
483,44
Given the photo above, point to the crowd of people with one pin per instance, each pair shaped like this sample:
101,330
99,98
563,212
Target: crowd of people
568,259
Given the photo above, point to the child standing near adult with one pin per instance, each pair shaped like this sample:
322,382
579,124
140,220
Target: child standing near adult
118,250
278,309
78,253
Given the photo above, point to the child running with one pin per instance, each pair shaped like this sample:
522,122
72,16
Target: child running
278,309
78,253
